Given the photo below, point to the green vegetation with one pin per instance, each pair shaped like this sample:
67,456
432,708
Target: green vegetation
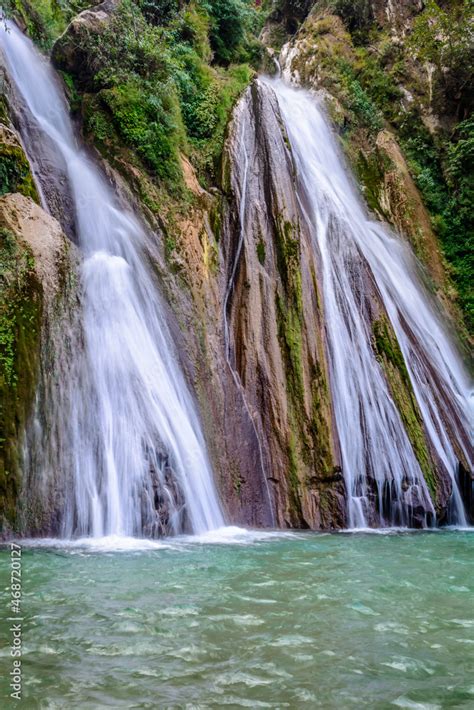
289,331
359,101
290,305
20,318
296,510
444,36
44,19
320,423
232,25
159,12
161,78
387,345
15,174
389,353
443,169
16,267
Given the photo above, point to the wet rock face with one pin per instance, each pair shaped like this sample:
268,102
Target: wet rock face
310,59
275,336
466,487
49,167
34,255
290,13
396,14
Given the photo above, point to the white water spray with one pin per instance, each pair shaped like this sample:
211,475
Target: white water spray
133,451
373,440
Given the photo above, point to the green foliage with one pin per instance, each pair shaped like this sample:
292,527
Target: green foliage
128,47
159,12
445,37
295,8
148,121
379,83
15,174
45,20
231,21
15,271
441,164
155,92
206,107
389,354
136,100
359,101
148,78
444,172
457,232
20,321
386,344
290,304
72,94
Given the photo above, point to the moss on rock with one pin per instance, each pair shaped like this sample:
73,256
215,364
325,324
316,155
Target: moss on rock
21,307
391,358
15,173
35,270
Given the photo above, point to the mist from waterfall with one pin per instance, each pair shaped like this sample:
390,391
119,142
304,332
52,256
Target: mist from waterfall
130,446
352,247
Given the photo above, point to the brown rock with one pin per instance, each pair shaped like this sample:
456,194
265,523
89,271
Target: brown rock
70,52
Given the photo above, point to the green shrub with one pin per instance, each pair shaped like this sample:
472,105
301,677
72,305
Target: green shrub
358,100
45,20
147,118
444,37
15,174
146,80
230,21
378,82
444,173
159,90
159,12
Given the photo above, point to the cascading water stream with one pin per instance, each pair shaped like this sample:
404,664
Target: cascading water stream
132,450
374,443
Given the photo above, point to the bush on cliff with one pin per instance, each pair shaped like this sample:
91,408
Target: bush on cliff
153,83
444,38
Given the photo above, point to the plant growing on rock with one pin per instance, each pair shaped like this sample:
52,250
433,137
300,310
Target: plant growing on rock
445,39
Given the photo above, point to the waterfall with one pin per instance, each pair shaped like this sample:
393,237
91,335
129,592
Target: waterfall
131,449
353,251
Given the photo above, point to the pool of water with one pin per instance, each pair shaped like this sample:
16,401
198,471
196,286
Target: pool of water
247,620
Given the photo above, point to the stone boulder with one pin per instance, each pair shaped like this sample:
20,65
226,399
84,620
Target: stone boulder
71,52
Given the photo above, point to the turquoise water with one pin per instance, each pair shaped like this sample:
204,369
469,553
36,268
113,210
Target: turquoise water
300,621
